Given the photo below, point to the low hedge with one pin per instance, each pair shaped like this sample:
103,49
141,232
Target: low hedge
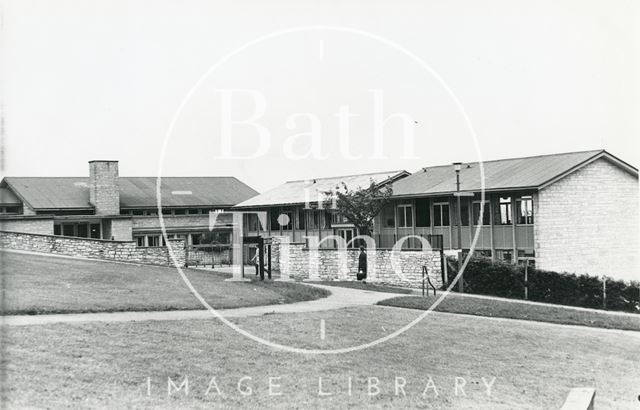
485,277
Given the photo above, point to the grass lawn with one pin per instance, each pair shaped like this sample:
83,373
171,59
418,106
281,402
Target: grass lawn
514,310
109,365
369,286
40,284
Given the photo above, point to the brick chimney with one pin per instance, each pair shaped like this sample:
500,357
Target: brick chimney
104,190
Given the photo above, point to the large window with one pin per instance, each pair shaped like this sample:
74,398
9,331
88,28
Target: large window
288,217
503,210
77,229
196,239
313,219
464,212
423,213
525,209
301,219
339,219
441,214
486,215
388,217
95,231
9,209
83,230
405,216
273,219
504,255
326,220
68,230
252,222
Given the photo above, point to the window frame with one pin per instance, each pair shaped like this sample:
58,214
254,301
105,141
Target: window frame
404,214
427,205
519,201
387,214
441,214
487,212
289,226
502,202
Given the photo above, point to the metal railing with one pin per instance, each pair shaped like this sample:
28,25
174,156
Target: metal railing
203,255
426,280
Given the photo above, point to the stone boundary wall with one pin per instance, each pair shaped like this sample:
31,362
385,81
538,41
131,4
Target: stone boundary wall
122,251
385,266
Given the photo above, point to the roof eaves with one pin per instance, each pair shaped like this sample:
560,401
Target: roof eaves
601,154
13,189
393,178
449,193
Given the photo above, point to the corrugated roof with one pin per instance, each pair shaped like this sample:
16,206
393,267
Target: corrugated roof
298,192
7,197
513,173
73,193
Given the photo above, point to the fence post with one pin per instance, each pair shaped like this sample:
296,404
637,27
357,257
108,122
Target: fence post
604,292
444,263
526,279
461,279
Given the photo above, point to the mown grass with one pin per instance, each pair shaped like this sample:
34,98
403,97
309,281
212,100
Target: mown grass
108,365
41,284
470,305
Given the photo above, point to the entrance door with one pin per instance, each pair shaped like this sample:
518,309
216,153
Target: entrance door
347,235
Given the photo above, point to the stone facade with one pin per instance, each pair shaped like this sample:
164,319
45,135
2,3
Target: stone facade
121,229
276,242
43,226
152,223
123,251
587,222
104,190
399,268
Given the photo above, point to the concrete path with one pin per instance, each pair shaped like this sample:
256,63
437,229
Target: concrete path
339,298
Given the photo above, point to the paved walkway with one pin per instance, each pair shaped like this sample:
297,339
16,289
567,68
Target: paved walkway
339,298
453,294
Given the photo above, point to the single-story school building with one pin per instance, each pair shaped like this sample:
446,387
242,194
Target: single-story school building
575,212
107,206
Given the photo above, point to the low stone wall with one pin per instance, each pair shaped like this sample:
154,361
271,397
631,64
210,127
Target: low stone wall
123,251
399,268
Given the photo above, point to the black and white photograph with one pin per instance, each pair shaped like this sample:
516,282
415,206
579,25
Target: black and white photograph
319,204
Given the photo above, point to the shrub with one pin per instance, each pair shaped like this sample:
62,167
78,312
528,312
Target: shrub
484,277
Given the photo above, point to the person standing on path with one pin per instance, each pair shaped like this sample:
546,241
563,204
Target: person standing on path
362,266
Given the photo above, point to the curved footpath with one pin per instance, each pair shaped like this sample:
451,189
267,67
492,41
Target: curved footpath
339,298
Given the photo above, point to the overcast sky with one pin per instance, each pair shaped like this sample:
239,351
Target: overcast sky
85,80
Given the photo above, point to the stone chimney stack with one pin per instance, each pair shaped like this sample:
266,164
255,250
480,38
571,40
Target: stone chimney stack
104,190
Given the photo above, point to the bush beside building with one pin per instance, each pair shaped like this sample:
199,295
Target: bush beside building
484,277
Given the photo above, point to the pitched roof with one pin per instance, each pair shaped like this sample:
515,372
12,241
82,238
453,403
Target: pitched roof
73,193
8,197
505,174
298,192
